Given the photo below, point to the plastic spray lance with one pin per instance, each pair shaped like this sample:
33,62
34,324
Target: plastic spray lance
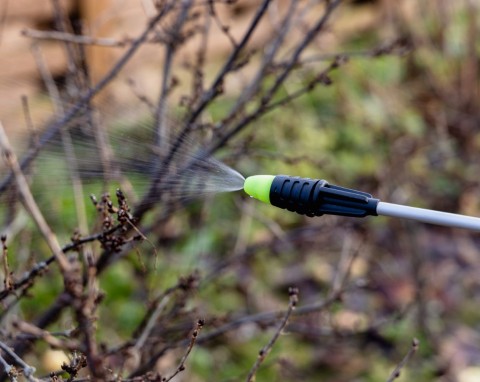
315,197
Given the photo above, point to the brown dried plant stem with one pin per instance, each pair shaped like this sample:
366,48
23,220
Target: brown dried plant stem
293,292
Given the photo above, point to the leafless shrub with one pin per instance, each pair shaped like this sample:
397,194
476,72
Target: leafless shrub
260,64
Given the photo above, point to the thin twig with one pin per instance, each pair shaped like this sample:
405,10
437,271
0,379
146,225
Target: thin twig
348,256
293,292
29,202
28,278
152,321
199,65
29,121
271,51
38,268
171,47
312,33
9,369
396,372
263,318
157,306
269,317
71,159
49,338
193,339
142,97
72,38
52,314
320,78
215,88
224,28
28,370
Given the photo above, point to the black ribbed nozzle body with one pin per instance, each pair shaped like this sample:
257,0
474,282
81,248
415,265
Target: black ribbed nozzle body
315,197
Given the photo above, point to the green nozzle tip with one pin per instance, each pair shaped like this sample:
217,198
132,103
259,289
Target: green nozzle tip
258,186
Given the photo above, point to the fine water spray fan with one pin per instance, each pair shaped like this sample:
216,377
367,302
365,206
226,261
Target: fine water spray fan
316,197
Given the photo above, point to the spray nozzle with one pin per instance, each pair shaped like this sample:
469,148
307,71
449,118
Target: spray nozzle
315,197
310,197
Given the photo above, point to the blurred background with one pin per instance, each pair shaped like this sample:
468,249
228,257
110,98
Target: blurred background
383,99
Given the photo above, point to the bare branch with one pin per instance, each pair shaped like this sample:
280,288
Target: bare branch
171,47
267,61
270,317
152,321
66,140
38,269
9,369
29,122
193,339
49,338
396,372
347,258
321,78
28,370
224,28
72,38
30,204
293,292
